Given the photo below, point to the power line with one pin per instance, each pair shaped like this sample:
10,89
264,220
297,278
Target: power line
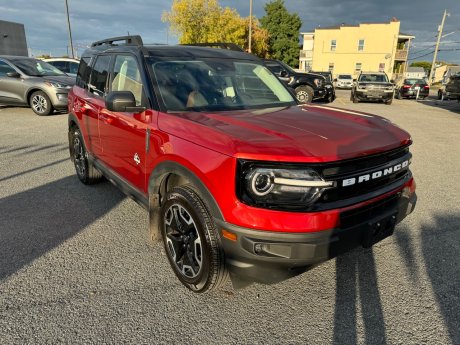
418,57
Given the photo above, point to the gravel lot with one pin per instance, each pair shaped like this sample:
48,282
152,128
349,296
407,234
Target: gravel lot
76,265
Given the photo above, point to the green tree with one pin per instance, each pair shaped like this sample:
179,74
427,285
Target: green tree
425,64
205,21
284,30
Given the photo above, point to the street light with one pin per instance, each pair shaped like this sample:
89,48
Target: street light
70,31
250,27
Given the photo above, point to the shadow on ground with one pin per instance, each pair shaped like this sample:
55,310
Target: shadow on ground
356,281
35,221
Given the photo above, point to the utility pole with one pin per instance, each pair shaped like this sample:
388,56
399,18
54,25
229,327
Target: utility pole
70,31
250,27
440,28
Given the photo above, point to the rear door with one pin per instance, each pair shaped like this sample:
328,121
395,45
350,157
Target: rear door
94,100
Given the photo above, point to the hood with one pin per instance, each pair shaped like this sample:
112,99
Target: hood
62,79
295,134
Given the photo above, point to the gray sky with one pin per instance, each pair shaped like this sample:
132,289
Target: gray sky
92,20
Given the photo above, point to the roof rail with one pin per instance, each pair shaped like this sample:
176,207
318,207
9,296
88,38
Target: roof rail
135,40
224,45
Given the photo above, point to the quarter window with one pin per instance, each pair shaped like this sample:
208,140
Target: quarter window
360,45
333,45
99,75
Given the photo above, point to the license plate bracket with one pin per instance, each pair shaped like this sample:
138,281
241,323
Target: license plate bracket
378,229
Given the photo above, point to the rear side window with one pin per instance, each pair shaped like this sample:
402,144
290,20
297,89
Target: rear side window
83,73
99,75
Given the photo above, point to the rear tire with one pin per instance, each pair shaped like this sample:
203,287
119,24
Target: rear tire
304,94
40,103
388,102
85,170
191,240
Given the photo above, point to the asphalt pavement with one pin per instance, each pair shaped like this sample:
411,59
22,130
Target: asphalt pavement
76,265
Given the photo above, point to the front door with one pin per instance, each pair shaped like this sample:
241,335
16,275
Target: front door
124,135
12,89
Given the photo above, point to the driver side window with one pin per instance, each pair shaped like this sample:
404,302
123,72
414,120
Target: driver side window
127,77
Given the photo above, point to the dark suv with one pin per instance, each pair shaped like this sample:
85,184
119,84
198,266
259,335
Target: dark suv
236,176
307,86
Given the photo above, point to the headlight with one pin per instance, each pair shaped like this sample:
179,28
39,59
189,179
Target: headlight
389,87
280,188
362,87
55,84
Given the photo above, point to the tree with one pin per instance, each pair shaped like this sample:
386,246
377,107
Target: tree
204,21
425,64
284,30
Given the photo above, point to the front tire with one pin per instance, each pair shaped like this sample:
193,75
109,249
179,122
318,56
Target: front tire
354,98
191,242
41,103
304,94
85,170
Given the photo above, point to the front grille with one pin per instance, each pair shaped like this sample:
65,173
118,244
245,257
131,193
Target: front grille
341,196
364,214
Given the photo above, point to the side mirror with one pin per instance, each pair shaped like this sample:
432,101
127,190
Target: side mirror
13,75
283,74
354,80
392,81
335,79
122,101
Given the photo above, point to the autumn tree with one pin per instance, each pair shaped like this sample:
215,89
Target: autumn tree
284,30
205,21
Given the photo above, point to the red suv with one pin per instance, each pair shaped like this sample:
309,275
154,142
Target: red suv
237,177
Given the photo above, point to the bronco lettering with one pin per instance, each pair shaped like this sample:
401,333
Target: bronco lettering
375,175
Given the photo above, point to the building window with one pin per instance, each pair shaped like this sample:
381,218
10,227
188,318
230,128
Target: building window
360,45
331,67
333,45
358,66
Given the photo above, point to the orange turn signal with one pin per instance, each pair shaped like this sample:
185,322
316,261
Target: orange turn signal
229,235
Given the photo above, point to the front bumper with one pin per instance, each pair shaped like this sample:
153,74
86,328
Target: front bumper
269,257
374,94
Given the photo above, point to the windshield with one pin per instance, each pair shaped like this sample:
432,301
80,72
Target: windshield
374,78
344,76
36,68
216,84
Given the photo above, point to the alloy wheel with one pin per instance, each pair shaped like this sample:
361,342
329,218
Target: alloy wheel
39,103
183,241
79,156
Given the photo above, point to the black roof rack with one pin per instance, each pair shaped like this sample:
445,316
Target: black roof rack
135,40
229,46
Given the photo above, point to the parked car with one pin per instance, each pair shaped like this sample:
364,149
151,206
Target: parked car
30,82
372,86
67,65
344,81
236,176
307,86
453,87
413,88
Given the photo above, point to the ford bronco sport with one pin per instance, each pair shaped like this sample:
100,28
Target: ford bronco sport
237,177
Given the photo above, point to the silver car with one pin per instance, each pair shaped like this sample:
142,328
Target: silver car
30,82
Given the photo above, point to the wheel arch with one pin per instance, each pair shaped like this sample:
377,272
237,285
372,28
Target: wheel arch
170,174
72,122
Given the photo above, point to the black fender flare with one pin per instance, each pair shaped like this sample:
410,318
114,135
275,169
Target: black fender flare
157,189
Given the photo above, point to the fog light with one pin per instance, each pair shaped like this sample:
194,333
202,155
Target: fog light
258,248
